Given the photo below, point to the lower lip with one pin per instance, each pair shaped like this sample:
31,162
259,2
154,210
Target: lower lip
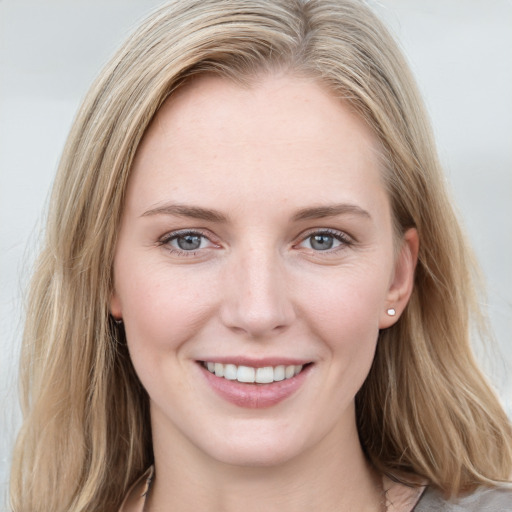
255,396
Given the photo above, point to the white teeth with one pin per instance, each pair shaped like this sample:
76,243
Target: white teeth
245,374
248,374
265,375
219,369
230,371
279,372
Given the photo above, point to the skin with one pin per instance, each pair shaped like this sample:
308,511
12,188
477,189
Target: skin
257,287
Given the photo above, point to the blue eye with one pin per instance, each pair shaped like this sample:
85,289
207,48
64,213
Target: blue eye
183,242
321,242
189,242
326,240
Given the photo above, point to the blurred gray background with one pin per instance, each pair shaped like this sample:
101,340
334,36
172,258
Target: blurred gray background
50,51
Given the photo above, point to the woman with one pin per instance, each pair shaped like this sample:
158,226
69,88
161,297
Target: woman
254,284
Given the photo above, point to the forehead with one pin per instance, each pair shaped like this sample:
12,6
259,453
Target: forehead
279,138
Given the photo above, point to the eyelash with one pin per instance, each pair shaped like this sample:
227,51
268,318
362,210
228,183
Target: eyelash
174,235
344,239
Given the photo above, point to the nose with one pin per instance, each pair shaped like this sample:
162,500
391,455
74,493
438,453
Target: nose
257,299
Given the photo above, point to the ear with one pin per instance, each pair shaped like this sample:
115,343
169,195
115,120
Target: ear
115,306
402,281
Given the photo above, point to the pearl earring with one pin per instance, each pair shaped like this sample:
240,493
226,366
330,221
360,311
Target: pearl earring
391,312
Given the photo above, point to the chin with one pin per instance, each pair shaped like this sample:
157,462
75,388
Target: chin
252,447
269,455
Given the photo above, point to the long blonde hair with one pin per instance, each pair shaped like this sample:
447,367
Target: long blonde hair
425,408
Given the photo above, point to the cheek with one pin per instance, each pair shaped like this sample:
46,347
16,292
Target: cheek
349,301
161,308
345,316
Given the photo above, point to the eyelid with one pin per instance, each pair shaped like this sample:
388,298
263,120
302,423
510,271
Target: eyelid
344,238
172,235
183,232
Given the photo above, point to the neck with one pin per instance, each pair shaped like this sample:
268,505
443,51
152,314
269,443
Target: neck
331,476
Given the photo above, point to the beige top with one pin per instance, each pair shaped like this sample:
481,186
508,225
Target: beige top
399,498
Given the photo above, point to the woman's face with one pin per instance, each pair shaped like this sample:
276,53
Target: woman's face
256,242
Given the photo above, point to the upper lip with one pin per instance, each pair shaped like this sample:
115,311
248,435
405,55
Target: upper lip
256,362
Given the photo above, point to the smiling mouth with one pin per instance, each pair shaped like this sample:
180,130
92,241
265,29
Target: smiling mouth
251,375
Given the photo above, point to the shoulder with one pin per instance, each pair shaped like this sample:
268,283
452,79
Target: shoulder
482,500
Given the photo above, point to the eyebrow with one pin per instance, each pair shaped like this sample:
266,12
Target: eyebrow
196,212
181,210
319,212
